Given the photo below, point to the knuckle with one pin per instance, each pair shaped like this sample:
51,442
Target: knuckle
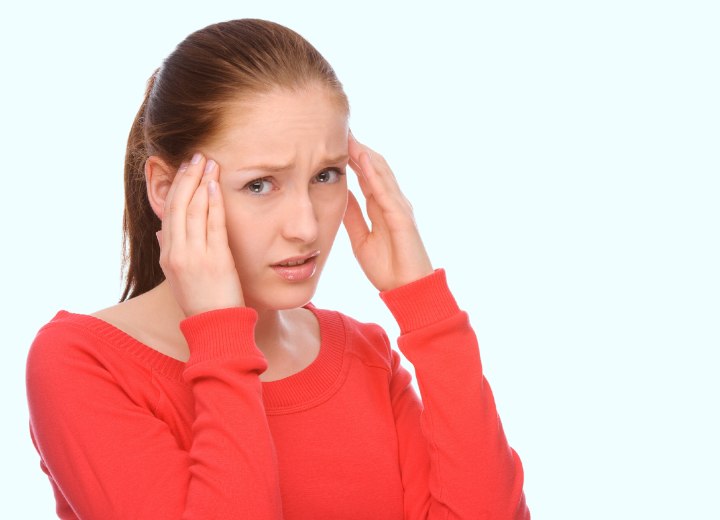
215,226
193,211
174,262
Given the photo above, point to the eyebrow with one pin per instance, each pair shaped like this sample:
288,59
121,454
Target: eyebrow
274,168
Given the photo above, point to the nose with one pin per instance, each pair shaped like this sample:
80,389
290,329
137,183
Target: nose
300,222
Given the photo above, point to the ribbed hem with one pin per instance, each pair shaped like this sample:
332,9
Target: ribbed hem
422,302
220,333
118,339
233,330
319,380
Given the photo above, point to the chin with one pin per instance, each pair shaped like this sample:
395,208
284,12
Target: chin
283,295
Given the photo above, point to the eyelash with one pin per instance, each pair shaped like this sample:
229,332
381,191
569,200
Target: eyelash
337,171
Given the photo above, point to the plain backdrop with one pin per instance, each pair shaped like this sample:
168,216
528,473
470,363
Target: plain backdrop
562,159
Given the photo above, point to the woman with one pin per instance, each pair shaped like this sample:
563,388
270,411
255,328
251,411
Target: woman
214,389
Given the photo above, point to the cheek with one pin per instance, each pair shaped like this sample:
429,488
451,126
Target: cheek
244,235
333,209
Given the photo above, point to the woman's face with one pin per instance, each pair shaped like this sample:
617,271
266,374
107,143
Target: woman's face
282,161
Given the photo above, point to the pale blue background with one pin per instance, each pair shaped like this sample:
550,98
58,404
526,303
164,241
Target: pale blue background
562,158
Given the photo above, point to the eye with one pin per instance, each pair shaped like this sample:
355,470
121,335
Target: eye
329,176
259,186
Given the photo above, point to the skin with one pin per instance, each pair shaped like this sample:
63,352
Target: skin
218,245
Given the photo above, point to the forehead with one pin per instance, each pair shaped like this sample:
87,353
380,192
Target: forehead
282,124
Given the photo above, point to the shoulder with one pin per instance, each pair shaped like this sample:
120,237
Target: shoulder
70,328
78,359
62,353
73,343
62,340
66,331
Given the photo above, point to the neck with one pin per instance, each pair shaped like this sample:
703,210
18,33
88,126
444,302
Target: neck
270,329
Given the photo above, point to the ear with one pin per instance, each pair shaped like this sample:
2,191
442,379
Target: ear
158,177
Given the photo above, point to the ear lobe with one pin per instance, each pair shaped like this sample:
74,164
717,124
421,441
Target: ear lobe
158,179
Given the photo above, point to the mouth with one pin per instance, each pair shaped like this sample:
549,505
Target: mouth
297,268
296,260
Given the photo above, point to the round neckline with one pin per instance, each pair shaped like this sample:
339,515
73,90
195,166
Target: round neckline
300,389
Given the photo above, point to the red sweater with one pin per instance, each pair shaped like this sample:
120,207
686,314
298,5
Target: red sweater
126,432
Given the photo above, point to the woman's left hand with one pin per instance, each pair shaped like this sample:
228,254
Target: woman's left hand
391,253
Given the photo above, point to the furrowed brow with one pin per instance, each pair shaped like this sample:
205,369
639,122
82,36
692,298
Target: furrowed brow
272,168
277,168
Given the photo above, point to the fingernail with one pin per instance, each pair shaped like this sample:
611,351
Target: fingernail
209,166
196,158
183,167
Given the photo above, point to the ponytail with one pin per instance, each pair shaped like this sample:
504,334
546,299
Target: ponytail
141,251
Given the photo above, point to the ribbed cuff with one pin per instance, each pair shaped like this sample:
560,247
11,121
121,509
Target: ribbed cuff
220,333
422,302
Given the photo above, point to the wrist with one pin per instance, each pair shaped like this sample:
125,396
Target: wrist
421,302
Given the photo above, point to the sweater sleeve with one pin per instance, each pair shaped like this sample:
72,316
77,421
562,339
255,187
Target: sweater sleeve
111,457
455,460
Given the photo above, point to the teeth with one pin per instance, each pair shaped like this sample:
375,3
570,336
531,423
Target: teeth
292,264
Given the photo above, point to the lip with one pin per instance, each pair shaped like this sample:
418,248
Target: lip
304,258
297,273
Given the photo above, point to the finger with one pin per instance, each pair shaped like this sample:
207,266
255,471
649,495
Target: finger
384,191
354,146
387,208
381,165
354,150
381,169
169,195
217,238
378,184
354,222
197,212
177,205
361,179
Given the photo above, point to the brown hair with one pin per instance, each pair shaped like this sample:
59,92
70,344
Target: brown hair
224,63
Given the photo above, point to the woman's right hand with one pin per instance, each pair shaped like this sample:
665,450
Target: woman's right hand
194,251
